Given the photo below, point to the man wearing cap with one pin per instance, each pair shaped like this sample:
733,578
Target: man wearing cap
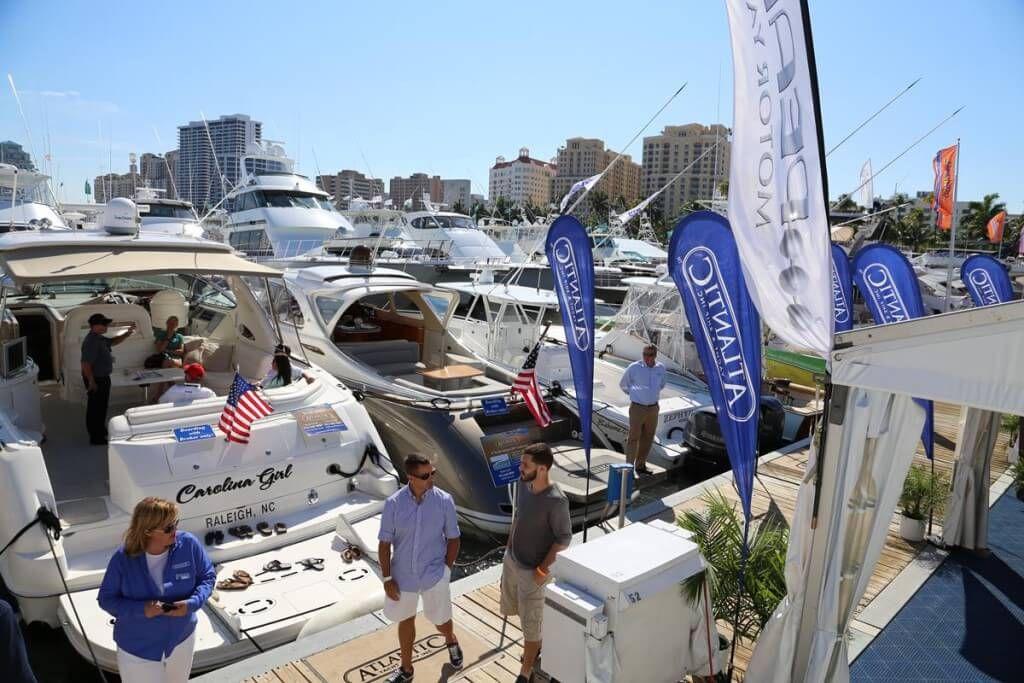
191,390
97,364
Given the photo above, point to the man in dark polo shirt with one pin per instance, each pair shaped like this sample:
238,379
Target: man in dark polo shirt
97,364
541,529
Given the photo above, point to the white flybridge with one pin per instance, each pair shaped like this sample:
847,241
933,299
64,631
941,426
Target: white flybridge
160,215
390,336
275,213
26,202
315,465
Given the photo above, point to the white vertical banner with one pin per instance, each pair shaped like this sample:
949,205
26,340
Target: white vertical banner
777,189
867,186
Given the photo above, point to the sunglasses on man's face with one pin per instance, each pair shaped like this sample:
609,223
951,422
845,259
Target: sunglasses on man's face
424,477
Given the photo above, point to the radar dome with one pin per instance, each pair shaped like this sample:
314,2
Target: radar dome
120,217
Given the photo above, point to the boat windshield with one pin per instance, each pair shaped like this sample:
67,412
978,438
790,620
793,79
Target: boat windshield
165,211
207,291
435,222
288,198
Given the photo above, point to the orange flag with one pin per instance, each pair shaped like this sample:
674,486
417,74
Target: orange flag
995,227
945,186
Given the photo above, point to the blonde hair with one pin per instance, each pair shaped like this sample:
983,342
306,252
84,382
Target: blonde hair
149,514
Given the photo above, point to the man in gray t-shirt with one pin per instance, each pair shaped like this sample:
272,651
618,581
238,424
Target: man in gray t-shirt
540,530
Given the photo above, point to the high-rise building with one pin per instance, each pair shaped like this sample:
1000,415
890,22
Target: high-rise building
413,187
196,173
677,147
582,158
348,184
522,181
12,153
110,185
156,171
456,191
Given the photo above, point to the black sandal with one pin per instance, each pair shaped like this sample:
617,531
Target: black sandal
276,566
218,537
246,531
264,529
280,528
237,532
210,537
314,563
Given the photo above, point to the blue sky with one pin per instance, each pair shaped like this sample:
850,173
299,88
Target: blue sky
444,87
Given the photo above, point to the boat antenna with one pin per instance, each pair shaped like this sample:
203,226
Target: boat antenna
868,119
912,145
28,130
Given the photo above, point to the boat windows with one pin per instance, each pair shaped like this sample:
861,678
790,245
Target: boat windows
328,307
326,204
166,211
437,222
288,199
405,306
251,242
286,308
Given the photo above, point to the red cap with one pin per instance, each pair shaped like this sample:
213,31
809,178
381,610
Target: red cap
194,371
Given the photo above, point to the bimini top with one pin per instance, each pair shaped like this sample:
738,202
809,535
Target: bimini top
37,257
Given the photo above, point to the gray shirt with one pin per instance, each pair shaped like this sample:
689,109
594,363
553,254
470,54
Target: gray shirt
541,521
96,352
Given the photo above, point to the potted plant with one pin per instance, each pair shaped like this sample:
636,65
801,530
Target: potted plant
922,491
718,532
1017,472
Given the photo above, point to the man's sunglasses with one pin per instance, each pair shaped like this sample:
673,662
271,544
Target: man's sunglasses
424,477
170,528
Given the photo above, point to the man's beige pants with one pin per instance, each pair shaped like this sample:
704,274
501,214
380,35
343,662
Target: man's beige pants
643,420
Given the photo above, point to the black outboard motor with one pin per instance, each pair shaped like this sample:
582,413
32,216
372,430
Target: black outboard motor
704,437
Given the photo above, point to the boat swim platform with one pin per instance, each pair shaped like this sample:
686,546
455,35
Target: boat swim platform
371,640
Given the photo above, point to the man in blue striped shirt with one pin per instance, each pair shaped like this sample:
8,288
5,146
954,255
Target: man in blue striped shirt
643,380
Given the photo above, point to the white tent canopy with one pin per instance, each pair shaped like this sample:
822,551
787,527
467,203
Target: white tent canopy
966,521
973,357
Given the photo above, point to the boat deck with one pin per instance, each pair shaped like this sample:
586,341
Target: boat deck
495,658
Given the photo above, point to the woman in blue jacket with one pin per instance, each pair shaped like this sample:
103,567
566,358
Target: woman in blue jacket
154,585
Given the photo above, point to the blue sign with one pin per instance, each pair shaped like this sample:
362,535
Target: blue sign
705,266
495,405
842,291
572,268
889,286
503,451
315,430
986,280
194,433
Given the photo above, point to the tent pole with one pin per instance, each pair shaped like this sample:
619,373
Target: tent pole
742,587
931,508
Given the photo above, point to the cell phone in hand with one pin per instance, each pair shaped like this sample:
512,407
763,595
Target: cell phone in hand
167,606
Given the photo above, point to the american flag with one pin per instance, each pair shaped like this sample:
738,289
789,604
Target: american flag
244,406
526,385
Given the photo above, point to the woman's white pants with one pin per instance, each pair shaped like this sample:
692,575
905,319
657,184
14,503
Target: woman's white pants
174,668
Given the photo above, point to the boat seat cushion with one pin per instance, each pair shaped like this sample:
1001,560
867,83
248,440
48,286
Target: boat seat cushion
391,357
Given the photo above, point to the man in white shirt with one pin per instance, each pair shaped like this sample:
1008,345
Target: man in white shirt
643,380
191,390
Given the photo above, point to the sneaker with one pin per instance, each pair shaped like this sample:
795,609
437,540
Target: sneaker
455,655
400,676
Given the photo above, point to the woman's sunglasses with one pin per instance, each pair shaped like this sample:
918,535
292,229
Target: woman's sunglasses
170,528
424,477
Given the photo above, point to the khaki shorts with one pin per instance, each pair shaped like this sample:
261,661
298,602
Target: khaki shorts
520,595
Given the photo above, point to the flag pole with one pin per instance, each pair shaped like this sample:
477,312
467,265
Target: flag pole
744,553
952,228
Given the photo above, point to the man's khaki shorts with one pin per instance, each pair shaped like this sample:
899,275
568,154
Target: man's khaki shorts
520,595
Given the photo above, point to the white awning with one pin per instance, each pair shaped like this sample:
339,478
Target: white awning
50,263
972,357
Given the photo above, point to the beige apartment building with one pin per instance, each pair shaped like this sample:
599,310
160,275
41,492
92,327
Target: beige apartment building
348,183
582,158
667,154
413,187
522,181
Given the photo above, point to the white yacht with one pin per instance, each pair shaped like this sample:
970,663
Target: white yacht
274,213
160,215
315,466
26,202
501,323
390,336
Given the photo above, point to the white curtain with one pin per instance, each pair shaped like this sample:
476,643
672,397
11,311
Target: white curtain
870,448
966,522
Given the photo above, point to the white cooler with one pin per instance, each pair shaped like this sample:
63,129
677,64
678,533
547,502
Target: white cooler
615,610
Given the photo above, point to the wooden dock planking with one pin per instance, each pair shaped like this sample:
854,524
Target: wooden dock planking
775,488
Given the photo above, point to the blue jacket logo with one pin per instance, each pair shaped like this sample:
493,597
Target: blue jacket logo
704,280
569,281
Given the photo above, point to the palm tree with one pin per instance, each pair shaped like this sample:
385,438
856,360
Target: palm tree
978,214
599,205
458,207
504,208
845,204
914,231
